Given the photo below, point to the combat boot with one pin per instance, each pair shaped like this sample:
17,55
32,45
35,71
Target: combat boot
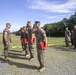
7,59
41,69
31,59
26,55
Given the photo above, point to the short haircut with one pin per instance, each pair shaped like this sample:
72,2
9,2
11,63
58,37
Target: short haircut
8,24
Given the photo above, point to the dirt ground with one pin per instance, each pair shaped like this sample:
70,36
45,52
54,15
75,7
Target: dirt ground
58,61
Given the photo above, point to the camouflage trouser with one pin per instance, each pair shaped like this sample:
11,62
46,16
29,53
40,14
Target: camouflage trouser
6,48
25,47
74,43
31,49
66,41
22,45
40,54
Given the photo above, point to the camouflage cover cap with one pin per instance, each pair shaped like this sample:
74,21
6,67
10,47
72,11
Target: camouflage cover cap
8,24
24,26
37,21
28,21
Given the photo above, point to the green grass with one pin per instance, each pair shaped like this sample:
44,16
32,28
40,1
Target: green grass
56,41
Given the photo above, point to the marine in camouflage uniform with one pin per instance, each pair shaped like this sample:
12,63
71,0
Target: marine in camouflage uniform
74,37
21,32
40,37
67,34
6,40
25,44
30,44
21,37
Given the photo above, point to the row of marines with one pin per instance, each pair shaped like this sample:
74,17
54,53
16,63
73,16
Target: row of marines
70,36
27,39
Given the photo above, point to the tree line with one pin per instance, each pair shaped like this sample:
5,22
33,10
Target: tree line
57,29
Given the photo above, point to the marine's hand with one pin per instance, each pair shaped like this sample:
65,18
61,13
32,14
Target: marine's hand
6,42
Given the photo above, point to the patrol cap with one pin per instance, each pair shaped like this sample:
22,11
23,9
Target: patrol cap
37,21
8,24
24,26
28,21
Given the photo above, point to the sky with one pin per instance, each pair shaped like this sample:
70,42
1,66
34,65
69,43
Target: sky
18,12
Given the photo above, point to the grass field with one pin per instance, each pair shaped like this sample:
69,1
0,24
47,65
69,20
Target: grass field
53,41
59,60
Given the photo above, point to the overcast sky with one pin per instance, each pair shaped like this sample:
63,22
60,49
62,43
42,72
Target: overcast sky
18,12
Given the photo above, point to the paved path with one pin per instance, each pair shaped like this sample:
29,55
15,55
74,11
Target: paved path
58,61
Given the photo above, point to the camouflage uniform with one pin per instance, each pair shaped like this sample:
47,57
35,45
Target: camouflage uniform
21,41
67,34
40,34
25,46
74,38
6,46
30,44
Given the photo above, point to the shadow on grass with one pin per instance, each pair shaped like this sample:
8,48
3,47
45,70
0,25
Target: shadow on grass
16,54
15,51
63,48
17,57
22,65
19,65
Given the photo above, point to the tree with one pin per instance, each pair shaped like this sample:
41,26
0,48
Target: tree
58,28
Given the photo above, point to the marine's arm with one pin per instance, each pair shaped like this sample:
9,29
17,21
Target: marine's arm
5,37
